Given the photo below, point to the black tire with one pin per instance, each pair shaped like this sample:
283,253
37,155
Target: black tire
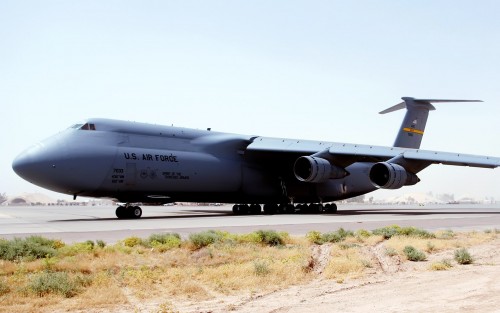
236,209
135,212
331,208
301,208
289,209
315,208
270,208
120,212
255,209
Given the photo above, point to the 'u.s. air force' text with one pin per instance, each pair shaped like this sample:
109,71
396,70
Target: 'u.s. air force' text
150,157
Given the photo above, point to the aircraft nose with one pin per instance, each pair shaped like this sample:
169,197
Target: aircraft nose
36,163
65,163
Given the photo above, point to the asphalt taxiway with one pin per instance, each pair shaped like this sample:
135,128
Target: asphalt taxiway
80,223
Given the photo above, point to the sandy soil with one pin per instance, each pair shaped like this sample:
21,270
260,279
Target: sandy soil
391,286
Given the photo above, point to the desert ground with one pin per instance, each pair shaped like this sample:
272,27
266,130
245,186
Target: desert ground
388,283
390,286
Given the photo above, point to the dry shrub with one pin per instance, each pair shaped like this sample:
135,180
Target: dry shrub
22,303
373,240
442,265
233,267
462,256
398,243
7,267
98,296
458,240
81,264
345,263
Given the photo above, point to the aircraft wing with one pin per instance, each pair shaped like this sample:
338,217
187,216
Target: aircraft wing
345,154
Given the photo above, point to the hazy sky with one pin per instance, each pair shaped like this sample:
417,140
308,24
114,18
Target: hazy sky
300,69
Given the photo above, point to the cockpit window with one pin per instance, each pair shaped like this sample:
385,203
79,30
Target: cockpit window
88,126
76,126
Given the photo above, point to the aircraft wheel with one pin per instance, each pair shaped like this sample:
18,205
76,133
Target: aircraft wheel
333,209
120,212
135,212
255,209
301,208
270,208
289,208
245,209
315,208
330,208
236,209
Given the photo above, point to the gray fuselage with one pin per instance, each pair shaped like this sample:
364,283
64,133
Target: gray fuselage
135,162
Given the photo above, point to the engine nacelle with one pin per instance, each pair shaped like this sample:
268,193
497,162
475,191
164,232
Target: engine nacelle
316,170
391,176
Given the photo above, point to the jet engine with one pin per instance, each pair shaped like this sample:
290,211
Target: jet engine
316,170
391,176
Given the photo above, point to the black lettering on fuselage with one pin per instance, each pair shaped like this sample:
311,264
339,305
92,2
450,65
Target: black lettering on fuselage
130,156
166,158
149,157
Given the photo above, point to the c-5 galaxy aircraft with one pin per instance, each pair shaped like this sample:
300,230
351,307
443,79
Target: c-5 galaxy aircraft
142,163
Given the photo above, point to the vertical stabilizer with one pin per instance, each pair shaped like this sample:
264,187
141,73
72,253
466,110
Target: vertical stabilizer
417,110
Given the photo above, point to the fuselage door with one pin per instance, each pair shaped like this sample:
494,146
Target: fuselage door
131,174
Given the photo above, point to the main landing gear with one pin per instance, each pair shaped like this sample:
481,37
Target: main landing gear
287,208
128,212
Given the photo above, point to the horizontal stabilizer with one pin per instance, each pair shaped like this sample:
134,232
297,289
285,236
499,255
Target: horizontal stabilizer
427,102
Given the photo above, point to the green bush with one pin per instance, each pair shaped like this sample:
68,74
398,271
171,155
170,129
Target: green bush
76,248
462,256
363,233
163,237
53,283
164,242
132,241
395,230
270,237
30,248
416,232
335,236
204,238
252,237
100,243
314,236
414,254
387,232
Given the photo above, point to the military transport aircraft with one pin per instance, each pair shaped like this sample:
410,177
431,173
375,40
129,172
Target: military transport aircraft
142,163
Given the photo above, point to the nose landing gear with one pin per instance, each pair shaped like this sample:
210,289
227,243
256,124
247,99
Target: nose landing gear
128,212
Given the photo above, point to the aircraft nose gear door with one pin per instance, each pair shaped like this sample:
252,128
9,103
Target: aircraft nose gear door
131,174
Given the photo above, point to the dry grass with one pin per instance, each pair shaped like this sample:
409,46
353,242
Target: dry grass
221,269
461,240
119,275
345,263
